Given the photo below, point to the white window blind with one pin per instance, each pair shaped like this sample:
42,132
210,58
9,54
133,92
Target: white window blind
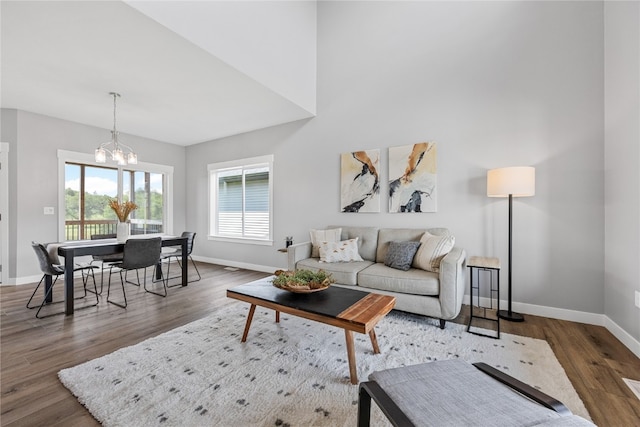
241,199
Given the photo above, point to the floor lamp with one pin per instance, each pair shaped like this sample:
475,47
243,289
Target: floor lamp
519,181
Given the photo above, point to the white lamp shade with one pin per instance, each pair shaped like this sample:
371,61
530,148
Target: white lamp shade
519,181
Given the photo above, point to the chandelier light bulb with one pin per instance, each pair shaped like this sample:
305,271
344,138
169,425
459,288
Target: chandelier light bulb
101,155
117,155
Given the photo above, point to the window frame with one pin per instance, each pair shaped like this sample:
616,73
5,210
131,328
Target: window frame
212,176
65,156
131,173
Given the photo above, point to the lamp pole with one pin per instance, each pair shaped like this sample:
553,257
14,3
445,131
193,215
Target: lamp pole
509,314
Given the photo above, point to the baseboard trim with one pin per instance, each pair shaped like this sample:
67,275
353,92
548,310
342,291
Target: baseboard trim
552,312
27,280
24,280
245,265
625,338
572,315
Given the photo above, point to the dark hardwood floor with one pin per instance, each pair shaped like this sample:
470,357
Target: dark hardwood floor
34,350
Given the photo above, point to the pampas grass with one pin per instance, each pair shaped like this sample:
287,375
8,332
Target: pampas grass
122,210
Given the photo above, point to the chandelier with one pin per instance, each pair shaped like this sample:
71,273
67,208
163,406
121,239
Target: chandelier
116,152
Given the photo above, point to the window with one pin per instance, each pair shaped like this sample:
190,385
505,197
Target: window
241,200
145,189
87,188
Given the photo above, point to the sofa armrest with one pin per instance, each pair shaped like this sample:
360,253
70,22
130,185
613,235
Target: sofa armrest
297,252
452,283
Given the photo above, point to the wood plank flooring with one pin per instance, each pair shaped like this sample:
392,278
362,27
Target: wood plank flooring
34,350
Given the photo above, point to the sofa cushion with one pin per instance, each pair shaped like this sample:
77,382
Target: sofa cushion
319,236
412,281
432,250
388,235
400,255
345,273
344,251
367,240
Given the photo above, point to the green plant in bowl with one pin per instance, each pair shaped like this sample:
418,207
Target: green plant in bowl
302,280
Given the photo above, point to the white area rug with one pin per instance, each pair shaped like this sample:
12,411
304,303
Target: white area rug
290,374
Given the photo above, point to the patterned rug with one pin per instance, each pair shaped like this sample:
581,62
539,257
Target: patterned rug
290,374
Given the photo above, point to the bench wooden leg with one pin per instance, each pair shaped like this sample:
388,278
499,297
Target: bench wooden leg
249,319
277,317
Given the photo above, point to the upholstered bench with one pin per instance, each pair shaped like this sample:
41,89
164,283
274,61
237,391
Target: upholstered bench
456,393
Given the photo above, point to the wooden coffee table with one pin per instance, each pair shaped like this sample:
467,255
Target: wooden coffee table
353,311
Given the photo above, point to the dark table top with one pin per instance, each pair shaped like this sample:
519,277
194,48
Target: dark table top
107,246
329,302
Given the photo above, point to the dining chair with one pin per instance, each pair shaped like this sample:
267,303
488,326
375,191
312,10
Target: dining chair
104,260
54,269
137,254
177,254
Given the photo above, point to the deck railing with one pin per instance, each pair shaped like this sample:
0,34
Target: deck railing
83,230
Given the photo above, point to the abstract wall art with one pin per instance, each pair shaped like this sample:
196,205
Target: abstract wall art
412,178
360,181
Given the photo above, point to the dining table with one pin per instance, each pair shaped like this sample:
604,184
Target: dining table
71,250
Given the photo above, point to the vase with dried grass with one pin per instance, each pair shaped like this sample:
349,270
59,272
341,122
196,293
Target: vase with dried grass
122,211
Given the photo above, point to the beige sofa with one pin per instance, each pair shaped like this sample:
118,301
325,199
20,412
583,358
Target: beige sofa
437,295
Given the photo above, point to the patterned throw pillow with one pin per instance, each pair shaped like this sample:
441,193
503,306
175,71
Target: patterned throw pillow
432,250
345,251
319,236
400,255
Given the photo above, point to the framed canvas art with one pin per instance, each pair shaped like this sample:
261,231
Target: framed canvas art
360,181
412,178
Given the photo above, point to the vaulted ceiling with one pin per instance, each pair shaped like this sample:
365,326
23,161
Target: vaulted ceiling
187,72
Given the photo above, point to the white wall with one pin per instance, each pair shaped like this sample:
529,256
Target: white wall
494,84
274,42
622,163
34,140
8,133
4,210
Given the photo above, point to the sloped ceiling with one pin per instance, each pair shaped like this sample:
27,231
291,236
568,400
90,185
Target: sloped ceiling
185,72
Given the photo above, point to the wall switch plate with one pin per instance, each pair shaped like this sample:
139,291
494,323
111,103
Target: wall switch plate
48,210
638,299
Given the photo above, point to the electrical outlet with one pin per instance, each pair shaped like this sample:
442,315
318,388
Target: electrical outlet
637,299
48,210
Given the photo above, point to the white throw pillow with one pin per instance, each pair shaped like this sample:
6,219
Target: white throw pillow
431,251
344,251
319,236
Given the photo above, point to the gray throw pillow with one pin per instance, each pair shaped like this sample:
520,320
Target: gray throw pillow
400,255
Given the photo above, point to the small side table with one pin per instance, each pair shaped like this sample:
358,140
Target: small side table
477,264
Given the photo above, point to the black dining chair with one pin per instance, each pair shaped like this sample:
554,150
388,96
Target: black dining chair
104,260
177,254
137,254
54,269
